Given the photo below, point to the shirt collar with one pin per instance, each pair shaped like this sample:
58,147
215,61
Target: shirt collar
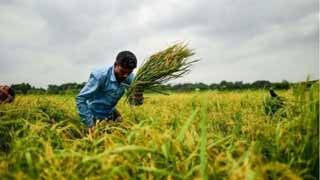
113,76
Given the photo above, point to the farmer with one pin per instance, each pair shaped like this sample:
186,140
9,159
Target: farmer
7,94
98,98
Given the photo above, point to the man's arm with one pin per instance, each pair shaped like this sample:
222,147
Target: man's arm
137,96
81,100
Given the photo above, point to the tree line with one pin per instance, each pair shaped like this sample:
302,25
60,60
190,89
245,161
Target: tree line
67,88
74,88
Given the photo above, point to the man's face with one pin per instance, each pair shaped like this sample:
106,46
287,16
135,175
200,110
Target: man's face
121,72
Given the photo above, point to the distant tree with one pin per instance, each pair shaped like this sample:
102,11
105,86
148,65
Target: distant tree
261,84
281,85
21,88
238,85
214,86
225,85
53,89
201,86
35,90
285,84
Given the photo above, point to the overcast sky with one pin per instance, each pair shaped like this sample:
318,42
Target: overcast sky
54,42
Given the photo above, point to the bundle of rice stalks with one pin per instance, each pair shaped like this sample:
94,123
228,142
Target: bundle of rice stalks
169,64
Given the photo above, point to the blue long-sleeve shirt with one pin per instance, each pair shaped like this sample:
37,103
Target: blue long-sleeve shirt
100,95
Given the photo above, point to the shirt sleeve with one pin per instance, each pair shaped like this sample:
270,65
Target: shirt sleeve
81,100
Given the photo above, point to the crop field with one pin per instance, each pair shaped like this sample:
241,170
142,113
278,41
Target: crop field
197,135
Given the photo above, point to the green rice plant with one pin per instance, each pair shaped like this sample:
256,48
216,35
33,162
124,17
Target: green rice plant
272,105
181,136
186,126
203,142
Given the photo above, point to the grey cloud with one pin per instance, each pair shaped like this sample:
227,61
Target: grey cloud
46,42
235,18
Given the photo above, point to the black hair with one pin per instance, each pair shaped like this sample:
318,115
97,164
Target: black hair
126,59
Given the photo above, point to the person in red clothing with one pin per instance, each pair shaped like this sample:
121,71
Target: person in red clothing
7,94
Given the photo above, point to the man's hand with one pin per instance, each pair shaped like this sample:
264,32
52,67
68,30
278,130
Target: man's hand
136,98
